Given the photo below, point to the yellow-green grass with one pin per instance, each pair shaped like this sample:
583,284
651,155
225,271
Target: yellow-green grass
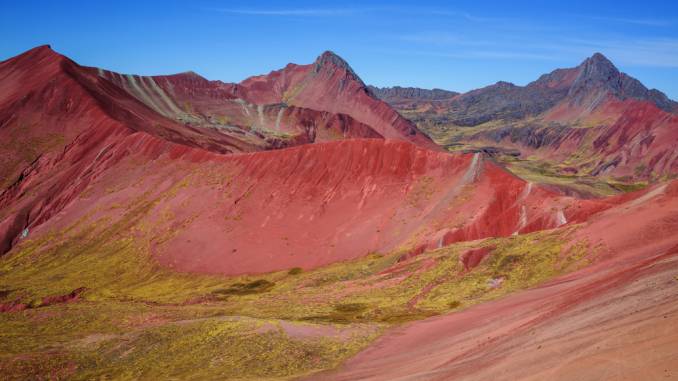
94,340
537,169
543,172
138,320
20,149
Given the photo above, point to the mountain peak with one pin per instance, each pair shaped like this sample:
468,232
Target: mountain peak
40,51
331,61
330,57
599,67
191,73
599,57
38,56
600,63
598,76
504,84
45,47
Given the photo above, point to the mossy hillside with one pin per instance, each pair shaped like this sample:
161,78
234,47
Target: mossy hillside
435,282
21,148
111,259
116,266
535,169
105,257
157,323
226,349
210,348
527,261
543,172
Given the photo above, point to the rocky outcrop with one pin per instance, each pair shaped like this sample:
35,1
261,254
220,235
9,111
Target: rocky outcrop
598,78
398,94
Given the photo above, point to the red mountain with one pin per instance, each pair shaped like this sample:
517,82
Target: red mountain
330,84
278,107
47,100
113,186
127,132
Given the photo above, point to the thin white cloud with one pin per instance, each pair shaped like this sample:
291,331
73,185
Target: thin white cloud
311,12
459,14
295,12
511,44
635,21
478,54
650,52
443,38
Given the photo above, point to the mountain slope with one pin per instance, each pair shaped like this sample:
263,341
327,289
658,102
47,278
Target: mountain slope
59,119
346,199
590,121
191,110
131,138
214,107
261,108
619,310
330,84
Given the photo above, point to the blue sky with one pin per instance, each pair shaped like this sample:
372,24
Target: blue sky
452,45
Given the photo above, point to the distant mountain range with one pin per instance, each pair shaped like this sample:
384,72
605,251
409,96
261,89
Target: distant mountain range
404,94
587,86
590,119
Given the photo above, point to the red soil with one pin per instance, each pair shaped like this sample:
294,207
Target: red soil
472,258
300,207
72,296
614,320
329,84
630,137
16,306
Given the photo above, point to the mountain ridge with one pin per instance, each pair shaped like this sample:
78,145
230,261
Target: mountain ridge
595,73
